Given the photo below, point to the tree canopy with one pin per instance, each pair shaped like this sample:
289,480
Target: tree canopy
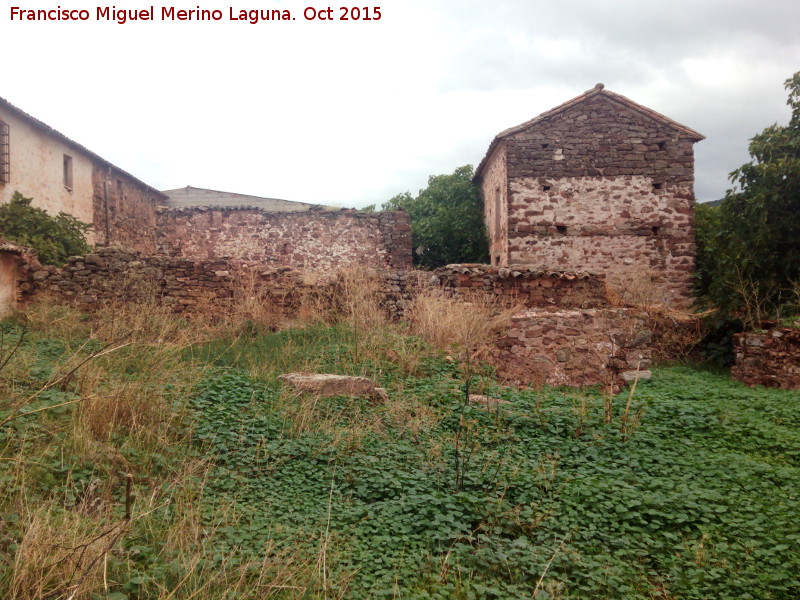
446,219
53,238
749,259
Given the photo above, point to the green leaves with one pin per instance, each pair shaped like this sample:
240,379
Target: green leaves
446,220
748,250
53,238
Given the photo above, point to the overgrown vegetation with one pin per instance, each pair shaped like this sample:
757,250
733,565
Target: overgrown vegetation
53,238
446,220
748,251
243,489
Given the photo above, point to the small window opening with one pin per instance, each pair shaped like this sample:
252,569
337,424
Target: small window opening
656,229
657,186
562,229
662,146
68,172
546,188
545,146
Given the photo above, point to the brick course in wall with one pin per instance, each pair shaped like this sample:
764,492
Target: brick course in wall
315,241
771,359
599,183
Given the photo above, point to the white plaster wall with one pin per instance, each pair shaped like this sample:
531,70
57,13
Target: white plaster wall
36,170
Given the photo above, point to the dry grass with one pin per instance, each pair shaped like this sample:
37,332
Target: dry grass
463,326
642,289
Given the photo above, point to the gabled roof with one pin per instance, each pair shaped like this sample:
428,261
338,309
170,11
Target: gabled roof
598,90
45,128
189,196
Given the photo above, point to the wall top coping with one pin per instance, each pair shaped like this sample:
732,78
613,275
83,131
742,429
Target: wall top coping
514,272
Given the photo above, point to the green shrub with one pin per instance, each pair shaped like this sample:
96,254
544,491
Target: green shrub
53,238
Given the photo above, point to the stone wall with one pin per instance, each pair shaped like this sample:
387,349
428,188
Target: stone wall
619,226
124,211
574,348
113,275
601,186
315,241
495,206
528,287
771,359
602,137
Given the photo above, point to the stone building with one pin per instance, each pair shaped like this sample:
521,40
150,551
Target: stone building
61,175
599,183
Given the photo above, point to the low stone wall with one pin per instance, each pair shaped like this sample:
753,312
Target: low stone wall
111,275
574,348
771,359
526,286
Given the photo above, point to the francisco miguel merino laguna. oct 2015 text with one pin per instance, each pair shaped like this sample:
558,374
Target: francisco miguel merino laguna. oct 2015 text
172,13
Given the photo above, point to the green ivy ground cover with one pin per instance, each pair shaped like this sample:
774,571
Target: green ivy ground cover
700,500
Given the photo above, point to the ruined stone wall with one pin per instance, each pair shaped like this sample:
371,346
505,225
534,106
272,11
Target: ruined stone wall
114,275
574,348
603,188
124,211
315,241
771,359
494,186
527,287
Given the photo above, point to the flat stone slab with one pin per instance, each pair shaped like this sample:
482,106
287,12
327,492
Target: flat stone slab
327,385
486,400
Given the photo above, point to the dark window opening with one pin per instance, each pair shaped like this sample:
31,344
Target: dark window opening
562,229
68,172
546,188
656,229
545,146
662,146
658,186
5,170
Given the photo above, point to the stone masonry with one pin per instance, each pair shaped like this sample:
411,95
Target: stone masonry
599,183
523,286
771,359
315,241
574,348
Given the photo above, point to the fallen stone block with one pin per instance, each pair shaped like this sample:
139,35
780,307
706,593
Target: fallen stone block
327,385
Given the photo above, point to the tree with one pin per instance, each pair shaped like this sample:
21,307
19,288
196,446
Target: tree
446,220
753,245
53,238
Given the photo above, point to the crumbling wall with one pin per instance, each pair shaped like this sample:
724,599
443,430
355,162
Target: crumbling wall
124,211
319,242
526,286
574,348
113,275
771,359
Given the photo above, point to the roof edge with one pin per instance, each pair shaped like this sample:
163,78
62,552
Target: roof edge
597,90
44,127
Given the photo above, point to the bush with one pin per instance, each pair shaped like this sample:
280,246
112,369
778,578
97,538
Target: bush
53,238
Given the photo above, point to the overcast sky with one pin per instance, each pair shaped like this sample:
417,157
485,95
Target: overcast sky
354,112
